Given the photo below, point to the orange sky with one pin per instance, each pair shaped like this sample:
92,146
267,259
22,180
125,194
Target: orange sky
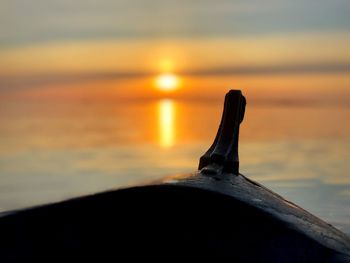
157,55
115,49
206,68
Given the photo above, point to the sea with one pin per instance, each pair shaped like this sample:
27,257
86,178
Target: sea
56,150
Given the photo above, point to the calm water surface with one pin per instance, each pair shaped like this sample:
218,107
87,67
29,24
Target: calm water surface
52,151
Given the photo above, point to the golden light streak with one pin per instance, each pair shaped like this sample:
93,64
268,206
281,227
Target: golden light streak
166,123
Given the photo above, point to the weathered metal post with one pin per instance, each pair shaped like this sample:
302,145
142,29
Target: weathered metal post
222,156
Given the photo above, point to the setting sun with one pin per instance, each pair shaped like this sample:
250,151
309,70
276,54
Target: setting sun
167,82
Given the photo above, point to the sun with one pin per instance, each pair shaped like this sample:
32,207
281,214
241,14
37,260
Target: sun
167,82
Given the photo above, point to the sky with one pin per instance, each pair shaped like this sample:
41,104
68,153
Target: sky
50,41
36,21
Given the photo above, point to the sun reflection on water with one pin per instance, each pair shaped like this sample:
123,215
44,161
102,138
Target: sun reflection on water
166,123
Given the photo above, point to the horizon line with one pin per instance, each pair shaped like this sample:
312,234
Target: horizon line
285,69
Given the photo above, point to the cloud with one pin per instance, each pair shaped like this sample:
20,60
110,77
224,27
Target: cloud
9,82
38,20
275,69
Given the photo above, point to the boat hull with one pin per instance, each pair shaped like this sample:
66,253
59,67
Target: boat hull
194,216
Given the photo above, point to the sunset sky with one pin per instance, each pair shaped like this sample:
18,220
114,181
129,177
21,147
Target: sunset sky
100,94
47,43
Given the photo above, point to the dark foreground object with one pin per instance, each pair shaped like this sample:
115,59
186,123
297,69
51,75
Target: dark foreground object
215,213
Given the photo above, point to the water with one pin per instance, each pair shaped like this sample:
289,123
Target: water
54,150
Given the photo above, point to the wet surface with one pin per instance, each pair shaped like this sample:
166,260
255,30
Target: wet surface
52,151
